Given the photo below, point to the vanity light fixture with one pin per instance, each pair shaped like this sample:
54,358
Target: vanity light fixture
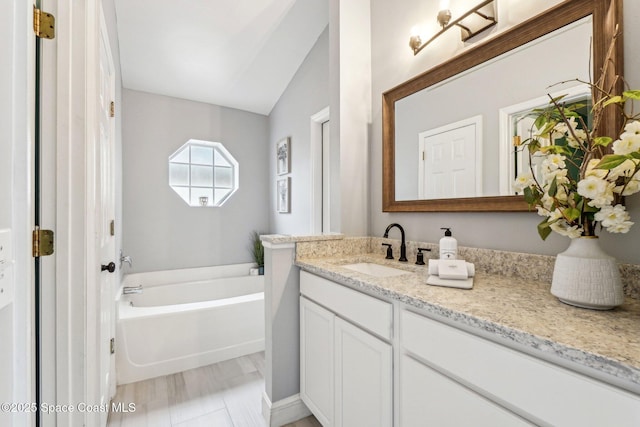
476,20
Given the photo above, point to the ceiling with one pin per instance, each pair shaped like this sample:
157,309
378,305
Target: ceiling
235,53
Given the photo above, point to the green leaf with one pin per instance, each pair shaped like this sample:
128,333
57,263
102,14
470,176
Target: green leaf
529,196
589,209
631,94
553,188
611,161
534,146
572,214
613,100
635,155
543,229
540,121
602,140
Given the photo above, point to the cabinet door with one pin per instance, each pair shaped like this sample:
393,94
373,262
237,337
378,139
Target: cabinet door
316,360
363,372
428,398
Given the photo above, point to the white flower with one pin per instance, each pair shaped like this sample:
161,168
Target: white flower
626,169
614,218
598,190
553,162
609,215
592,171
632,187
628,143
523,181
563,228
580,134
620,227
633,127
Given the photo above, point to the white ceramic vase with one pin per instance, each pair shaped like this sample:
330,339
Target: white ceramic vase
585,276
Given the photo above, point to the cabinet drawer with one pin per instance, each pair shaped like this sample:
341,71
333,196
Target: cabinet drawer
368,312
540,391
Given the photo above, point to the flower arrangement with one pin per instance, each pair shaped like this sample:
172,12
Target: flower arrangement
577,186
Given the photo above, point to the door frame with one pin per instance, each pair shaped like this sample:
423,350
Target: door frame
77,37
318,180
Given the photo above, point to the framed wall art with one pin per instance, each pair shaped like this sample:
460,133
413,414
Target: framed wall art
283,154
284,195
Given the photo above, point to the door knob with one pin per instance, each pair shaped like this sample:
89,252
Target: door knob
111,267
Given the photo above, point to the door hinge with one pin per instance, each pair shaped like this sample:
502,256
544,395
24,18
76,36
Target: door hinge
112,227
112,345
112,109
43,242
44,24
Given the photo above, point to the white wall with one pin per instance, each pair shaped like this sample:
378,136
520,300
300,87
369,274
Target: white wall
393,62
350,68
160,231
306,95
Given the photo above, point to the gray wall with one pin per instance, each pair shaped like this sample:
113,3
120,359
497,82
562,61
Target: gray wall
160,230
393,62
306,95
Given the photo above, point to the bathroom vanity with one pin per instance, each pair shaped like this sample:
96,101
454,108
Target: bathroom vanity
382,351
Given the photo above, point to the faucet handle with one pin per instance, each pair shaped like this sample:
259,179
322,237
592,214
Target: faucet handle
389,250
126,259
420,255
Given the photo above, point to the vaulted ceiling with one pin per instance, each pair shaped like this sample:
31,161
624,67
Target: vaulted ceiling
235,53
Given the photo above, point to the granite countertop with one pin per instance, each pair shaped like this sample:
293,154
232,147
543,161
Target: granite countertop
513,310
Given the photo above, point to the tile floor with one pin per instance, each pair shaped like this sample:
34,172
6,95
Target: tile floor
226,394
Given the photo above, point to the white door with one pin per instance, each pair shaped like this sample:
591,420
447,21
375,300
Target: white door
363,372
316,360
448,161
105,229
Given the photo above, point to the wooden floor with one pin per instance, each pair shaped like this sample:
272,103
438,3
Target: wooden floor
226,394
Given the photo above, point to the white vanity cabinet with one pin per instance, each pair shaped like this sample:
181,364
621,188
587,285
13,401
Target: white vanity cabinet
345,357
450,377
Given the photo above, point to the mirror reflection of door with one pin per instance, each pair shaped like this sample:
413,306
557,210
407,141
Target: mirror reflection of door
448,160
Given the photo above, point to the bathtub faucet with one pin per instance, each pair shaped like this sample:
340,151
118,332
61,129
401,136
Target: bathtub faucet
128,290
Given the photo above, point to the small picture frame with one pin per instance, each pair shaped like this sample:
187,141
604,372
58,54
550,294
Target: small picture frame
284,195
283,156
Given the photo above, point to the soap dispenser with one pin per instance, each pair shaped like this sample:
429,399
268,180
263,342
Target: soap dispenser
448,245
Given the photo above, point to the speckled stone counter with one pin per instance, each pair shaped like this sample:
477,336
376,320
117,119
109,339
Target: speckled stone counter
513,310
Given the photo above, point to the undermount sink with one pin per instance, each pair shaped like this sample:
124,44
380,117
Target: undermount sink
373,269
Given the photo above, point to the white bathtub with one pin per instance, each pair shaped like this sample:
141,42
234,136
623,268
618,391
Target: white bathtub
187,318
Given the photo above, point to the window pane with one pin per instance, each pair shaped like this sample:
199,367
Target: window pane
181,157
196,193
221,195
224,177
201,155
183,192
178,174
202,176
203,173
221,160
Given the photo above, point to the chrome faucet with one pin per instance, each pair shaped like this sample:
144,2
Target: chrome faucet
126,259
403,246
128,290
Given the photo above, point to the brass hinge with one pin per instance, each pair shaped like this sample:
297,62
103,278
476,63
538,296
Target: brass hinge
112,227
112,345
42,242
44,24
112,109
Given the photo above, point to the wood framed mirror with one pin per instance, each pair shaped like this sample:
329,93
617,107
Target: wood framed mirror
606,20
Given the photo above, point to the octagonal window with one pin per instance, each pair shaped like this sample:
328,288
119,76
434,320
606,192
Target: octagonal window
203,173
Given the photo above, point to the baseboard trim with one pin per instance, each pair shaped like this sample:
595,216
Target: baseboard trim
283,411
